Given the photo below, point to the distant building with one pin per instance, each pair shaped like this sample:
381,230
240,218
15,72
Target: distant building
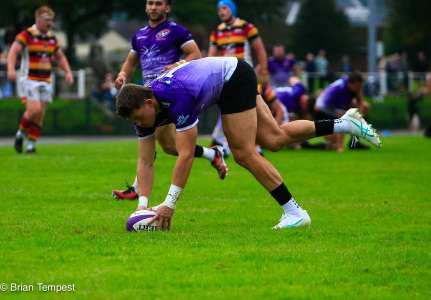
356,10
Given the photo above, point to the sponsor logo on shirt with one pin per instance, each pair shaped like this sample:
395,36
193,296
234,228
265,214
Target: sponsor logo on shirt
182,119
162,34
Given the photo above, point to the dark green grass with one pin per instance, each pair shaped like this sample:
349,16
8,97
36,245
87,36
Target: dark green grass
370,235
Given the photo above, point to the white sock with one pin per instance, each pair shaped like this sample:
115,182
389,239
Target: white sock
341,126
291,206
135,184
218,134
31,144
209,153
20,134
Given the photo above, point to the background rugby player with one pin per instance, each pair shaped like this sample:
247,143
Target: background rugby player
39,47
336,99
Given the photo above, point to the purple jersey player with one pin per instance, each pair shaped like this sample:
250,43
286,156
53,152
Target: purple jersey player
280,66
182,99
180,95
158,47
339,96
336,99
294,98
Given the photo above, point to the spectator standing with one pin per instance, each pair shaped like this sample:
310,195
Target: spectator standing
280,66
421,64
310,68
404,70
102,91
345,64
321,67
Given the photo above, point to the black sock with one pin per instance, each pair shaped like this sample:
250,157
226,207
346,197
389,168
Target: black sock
281,194
324,127
199,151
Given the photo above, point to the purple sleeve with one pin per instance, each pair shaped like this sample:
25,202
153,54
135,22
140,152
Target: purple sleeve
271,67
182,36
300,90
134,43
184,114
182,108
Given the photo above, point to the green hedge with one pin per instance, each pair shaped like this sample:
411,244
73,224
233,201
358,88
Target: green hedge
80,117
65,117
392,113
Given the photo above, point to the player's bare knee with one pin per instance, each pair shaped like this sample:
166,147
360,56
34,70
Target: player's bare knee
274,144
243,158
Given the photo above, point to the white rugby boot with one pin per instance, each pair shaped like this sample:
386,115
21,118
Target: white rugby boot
299,218
360,128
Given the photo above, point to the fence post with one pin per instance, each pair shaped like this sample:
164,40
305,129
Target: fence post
81,83
304,80
383,83
411,81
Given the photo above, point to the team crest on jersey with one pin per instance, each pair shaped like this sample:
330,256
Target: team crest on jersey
162,34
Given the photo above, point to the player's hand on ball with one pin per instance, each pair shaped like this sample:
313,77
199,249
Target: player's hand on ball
164,217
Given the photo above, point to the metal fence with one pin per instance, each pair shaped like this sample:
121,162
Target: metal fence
81,89
88,114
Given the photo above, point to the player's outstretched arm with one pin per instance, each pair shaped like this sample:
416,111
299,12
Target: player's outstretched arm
262,57
127,69
64,65
145,170
14,50
191,51
186,141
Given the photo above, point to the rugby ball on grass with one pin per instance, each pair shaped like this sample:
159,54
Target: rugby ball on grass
139,221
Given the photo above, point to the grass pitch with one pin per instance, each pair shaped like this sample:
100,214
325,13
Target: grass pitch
370,235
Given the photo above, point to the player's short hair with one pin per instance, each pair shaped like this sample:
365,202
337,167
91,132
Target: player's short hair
44,10
130,97
355,76
168,2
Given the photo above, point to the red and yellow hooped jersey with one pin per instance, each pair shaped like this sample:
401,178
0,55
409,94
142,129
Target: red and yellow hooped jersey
235,39
38,53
